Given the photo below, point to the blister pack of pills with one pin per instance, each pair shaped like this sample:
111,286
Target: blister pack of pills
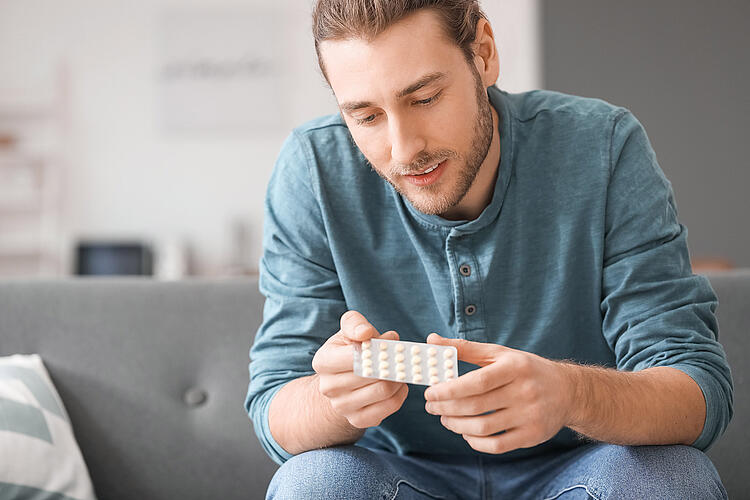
401,361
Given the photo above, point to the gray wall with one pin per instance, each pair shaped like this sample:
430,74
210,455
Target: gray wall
682,67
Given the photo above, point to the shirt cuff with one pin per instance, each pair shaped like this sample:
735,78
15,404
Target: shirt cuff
714,397
263,429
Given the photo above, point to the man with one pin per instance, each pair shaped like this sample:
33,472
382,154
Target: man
534,232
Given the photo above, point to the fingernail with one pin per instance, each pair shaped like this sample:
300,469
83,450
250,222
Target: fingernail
428,408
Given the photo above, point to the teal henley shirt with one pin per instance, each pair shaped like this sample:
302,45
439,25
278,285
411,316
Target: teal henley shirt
579,256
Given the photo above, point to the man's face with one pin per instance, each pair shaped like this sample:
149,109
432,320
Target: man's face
412,103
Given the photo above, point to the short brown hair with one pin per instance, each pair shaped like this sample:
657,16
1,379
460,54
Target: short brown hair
366,19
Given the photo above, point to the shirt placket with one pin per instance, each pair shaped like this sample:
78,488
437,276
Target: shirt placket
467,287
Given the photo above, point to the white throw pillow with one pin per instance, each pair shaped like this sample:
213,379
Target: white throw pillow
39,457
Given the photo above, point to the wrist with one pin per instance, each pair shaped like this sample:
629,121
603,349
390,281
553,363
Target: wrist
574,393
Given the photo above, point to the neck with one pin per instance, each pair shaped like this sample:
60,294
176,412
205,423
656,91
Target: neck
480,193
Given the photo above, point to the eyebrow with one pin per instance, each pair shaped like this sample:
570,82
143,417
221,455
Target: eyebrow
422,82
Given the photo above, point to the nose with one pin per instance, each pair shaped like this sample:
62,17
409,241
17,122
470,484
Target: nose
406,141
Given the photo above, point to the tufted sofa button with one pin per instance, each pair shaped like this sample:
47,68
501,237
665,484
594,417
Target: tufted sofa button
195,397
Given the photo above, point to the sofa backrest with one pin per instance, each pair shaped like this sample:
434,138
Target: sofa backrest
731,453
134,358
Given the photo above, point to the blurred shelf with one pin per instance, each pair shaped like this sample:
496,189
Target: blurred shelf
33,129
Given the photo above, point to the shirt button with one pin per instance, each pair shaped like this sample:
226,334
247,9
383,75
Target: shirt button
470,309
465,270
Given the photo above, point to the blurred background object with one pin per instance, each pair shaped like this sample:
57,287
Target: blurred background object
160,123
114,259
172,259
34,127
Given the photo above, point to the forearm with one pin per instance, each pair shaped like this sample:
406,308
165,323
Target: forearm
301,418
659,405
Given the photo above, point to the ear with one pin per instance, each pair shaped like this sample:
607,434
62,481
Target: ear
485,53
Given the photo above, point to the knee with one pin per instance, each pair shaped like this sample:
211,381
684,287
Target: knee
658,472
346,472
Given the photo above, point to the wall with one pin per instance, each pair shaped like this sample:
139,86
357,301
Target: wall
126,176
682,67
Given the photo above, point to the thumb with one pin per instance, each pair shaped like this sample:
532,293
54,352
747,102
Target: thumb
476,353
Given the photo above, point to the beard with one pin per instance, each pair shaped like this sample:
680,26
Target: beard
432,200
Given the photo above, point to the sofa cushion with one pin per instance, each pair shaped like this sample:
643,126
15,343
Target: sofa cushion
41,458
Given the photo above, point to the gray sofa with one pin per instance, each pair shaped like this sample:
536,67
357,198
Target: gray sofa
154,376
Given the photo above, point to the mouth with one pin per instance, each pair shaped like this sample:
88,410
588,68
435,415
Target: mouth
427,176
428,169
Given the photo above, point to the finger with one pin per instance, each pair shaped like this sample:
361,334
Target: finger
336,357
390,335
333,357
476,353
356,328
469,406
509,440
341,383
372,415
480,425
367,395
475,382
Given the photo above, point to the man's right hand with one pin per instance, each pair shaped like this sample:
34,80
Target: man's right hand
364,402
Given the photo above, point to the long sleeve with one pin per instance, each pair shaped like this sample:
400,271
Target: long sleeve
297,276
655,311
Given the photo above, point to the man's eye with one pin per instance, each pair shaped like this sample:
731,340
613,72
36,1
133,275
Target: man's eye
365,120
429,100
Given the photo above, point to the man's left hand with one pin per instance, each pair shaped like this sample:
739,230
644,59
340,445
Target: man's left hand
526,396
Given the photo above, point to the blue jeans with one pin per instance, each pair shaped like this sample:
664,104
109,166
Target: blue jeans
594,470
